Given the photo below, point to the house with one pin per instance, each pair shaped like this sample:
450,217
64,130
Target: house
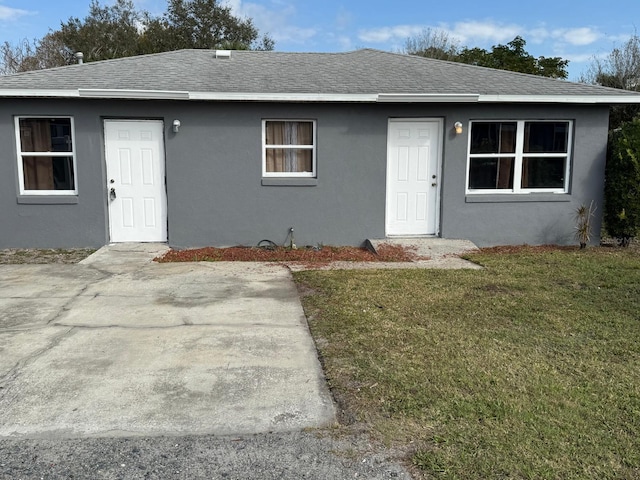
203,147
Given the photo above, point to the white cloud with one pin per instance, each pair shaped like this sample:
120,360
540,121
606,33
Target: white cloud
274,21
538,35
470,33
261,14
389,34
293,34
581,57
620,38
577,36
345,42
473,32
8,13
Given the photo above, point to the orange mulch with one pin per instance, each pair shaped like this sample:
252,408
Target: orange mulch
310,255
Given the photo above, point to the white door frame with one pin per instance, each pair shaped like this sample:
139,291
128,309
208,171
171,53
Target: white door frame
158,234
436,208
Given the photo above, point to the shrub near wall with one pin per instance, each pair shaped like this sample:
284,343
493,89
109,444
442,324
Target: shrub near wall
622,184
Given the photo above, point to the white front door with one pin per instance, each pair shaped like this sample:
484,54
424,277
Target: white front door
135,180
413,158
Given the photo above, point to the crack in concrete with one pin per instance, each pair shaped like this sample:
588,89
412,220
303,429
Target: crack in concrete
67,305
180,325
106,273
29,297
29,328
14,371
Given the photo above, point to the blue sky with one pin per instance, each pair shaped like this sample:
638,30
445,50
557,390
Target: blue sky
574,30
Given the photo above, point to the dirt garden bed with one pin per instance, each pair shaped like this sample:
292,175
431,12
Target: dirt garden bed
605,243
13,256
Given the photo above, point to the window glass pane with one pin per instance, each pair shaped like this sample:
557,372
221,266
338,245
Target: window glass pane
543,172
288,160
45,135
546,137
48,173
493,137
491,173
289,133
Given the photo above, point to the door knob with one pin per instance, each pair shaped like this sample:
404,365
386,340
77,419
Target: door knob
112,193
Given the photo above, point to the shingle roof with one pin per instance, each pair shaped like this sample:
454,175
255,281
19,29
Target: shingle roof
355,73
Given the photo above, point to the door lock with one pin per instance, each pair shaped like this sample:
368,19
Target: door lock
112,193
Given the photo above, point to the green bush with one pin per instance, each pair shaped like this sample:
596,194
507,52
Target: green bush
622,185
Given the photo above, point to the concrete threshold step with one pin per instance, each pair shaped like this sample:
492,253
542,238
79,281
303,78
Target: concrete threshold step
433,247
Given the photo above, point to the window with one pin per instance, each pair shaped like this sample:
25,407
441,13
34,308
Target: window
46,155
288,148
519,157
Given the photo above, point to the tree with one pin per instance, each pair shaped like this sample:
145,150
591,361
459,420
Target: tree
515,58
106,32
33,55
12,57
622,183
201,24
432,44
119,30
619,69
512,56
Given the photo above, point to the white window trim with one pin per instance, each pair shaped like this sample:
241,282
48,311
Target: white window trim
266,174
518,156
20,154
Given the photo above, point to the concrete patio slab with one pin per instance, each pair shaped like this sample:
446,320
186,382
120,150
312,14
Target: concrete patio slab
121,346
187,380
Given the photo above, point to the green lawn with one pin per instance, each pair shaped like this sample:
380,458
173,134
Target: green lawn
527,369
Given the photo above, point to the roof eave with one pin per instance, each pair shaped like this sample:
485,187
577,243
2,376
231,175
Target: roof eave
317,97
133,94
427,98
284,97
580,99
184,95
38,93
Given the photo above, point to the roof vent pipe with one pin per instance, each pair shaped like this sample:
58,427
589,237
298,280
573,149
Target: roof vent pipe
80,57
223,53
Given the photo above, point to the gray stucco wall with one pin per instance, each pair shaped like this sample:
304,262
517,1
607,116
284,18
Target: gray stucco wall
214,185
534,218
50,222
